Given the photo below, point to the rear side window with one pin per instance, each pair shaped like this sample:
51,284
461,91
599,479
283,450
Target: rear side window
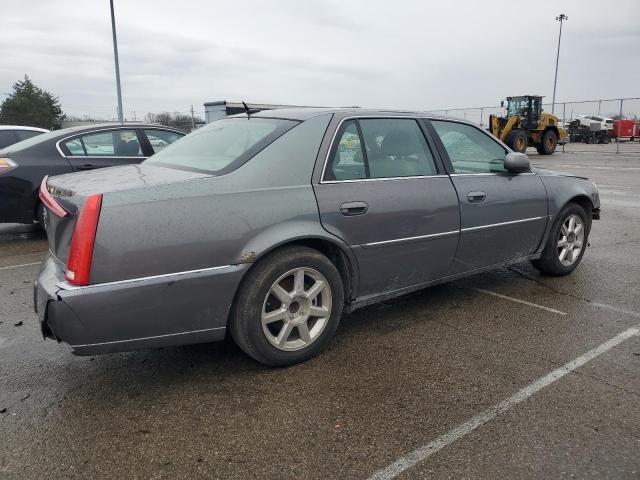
7,137
117,143
222,146
396,148
160,139
470,149
347,162
380,148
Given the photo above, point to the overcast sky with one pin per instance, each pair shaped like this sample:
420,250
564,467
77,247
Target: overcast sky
372,53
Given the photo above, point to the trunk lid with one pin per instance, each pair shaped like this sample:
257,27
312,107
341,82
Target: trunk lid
71,190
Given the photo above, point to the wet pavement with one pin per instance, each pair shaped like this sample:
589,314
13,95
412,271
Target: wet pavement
397,376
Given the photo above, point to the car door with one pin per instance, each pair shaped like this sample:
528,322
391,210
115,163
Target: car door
385,194
103,148
503,215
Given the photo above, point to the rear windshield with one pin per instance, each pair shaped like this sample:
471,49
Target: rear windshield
222,146
30,142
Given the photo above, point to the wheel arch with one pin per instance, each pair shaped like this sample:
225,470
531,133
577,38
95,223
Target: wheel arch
584,201
333,248
553,128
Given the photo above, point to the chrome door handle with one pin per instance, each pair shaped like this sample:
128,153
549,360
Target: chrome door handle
353,208
476,197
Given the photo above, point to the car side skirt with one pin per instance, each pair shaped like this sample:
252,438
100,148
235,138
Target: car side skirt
381,297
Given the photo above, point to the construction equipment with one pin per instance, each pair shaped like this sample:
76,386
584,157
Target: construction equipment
526,125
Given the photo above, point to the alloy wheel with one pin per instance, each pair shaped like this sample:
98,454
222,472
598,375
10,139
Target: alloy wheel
570,240
296,309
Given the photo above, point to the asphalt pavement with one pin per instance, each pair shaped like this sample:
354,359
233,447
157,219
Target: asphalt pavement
507,374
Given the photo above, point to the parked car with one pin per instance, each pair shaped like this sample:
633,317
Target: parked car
270,226
10,134
23,165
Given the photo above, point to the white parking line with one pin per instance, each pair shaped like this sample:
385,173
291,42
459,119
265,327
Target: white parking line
499,295
422,453
615,309
19,266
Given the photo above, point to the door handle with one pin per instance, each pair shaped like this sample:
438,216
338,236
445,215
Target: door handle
353,208
476,197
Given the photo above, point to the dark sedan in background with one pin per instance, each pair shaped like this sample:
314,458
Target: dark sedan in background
23,165
269,226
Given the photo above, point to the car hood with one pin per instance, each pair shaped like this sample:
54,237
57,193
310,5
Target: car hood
113,179
553,173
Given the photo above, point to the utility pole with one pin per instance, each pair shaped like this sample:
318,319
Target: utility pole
562,17
115,54
193,120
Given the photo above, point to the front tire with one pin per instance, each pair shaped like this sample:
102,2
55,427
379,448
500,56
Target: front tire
517,141
566,243
549,142
288,308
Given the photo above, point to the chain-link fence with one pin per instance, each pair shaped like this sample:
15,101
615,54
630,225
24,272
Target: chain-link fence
567,112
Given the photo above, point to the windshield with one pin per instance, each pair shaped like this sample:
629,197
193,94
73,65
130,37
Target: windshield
517,106
222,146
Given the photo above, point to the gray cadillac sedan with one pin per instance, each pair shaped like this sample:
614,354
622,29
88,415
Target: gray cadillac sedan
270,225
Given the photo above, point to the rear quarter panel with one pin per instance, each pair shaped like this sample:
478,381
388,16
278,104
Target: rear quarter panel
213,221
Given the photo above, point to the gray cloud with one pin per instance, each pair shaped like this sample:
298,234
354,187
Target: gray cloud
405,54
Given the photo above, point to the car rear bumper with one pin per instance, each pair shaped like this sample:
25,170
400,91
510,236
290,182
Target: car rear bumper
163,310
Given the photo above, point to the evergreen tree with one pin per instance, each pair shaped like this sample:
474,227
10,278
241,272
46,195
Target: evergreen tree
29,105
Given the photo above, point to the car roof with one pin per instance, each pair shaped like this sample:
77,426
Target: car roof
22,127
107,126
303,113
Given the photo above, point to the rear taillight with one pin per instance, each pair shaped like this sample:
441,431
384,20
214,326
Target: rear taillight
49,201
82,241
6,165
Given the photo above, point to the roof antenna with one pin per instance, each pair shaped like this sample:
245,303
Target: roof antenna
247,109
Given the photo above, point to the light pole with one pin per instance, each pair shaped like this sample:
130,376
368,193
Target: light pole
115,54
562,17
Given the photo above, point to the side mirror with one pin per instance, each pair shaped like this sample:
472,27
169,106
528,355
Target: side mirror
517,163
501,103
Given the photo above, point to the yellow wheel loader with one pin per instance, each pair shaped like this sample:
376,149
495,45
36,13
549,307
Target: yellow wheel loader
526,125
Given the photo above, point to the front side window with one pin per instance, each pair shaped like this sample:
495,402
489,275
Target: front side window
470,149
223,145
160,139
117,143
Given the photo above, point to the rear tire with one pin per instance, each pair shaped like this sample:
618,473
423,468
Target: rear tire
288,308
517,141
566,244
549,142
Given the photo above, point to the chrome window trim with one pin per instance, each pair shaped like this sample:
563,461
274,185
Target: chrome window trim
489,174
67,286
383,179
356,117
107,129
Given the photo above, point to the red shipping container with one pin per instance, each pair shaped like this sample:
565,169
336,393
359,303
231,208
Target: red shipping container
623,128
